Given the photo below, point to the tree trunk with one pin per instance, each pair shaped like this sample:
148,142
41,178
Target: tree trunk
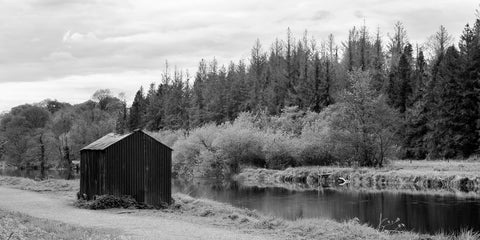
42,153
68,162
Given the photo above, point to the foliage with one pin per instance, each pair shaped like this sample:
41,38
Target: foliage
332,136
364,125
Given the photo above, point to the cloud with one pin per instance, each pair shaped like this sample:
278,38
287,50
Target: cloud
44,41
358,14
322,14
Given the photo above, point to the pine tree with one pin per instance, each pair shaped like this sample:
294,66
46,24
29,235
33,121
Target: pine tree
447,122
418,116
378,61
137,111
122,119
400,83
197,110
256,77
154,109
470,85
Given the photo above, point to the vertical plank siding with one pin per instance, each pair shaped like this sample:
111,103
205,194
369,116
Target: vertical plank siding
137,165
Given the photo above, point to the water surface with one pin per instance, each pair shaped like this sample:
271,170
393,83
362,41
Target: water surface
419,212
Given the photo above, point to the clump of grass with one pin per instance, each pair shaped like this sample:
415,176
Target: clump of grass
110,201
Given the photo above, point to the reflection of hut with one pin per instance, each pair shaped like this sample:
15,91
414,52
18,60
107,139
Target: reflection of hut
135,164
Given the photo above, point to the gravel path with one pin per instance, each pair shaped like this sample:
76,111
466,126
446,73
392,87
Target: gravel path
138,227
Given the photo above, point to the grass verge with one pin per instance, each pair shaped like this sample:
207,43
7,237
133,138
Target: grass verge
16,226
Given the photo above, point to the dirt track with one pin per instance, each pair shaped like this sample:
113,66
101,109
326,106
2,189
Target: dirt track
138,227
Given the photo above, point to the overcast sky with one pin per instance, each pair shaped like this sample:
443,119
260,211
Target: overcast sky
67,49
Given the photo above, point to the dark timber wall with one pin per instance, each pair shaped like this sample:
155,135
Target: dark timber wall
137,165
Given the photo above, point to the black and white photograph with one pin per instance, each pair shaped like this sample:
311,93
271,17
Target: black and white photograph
239,120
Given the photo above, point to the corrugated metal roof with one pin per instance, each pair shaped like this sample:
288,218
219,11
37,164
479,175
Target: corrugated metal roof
105,141
111,138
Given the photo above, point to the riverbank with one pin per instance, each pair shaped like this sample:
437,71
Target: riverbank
453,176
204,215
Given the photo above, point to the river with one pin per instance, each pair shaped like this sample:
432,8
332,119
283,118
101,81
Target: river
421,212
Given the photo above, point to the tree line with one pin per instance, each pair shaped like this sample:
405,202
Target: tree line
434,87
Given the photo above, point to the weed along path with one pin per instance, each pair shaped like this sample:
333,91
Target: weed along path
137,227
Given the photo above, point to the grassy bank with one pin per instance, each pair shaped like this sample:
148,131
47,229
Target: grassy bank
415,175
49,185
16,226
211,213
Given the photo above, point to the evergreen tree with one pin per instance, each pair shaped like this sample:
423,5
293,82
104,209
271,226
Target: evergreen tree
447,123
197,111
122,119
137,111
154,109
400,85
256,77
470,88
378,61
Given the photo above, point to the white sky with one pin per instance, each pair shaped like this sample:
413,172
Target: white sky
67,49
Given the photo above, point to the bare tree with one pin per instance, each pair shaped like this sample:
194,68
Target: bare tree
438,43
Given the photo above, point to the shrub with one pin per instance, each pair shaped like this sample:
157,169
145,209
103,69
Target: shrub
210,165
110,201
185,159
240,146
280,151
170,137
315,155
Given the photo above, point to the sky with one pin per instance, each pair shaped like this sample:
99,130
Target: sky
67,49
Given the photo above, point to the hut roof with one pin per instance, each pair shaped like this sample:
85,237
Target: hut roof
111,138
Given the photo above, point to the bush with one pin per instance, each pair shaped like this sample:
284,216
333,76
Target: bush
316,155
110,201
240,146
210,165
280,151
169,137
185,159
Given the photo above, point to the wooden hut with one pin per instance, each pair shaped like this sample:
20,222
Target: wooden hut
135,164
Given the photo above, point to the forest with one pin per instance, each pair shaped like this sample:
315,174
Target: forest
297,102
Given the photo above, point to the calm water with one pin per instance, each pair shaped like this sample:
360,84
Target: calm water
425,213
